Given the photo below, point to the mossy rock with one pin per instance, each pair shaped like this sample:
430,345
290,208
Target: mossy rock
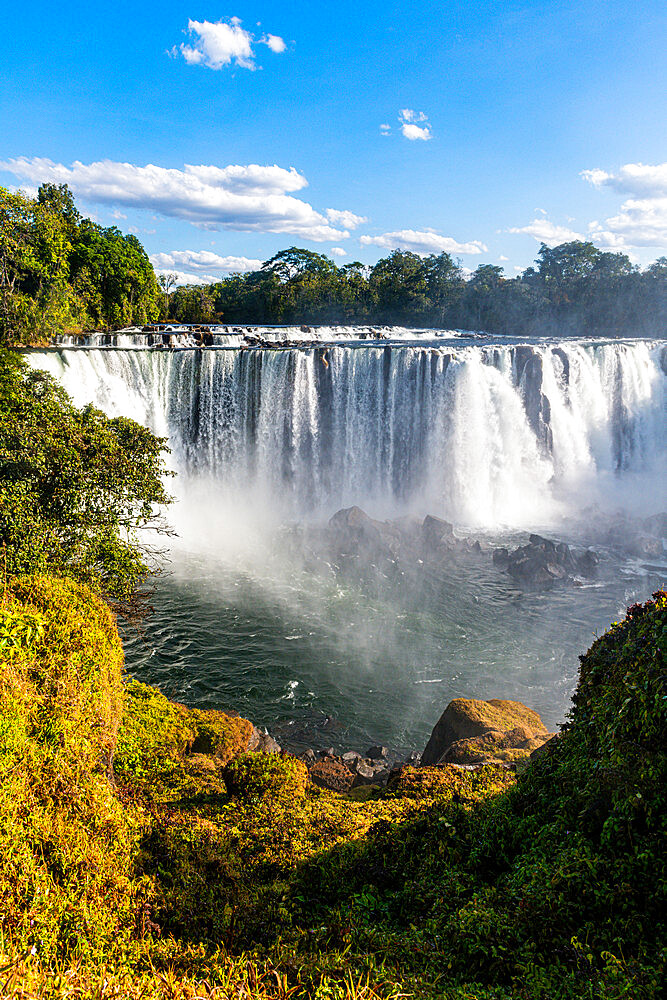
154,734
495,746
466,718
258,775
221,735
449,782
163,746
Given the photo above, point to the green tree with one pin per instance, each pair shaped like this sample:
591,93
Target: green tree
75,486
399,287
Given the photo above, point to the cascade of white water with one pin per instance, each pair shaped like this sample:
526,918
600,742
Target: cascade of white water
487,436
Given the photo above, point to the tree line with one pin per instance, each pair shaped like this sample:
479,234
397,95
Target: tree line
573,288
60,272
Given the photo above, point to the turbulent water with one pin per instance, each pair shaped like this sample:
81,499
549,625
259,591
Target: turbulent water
498,438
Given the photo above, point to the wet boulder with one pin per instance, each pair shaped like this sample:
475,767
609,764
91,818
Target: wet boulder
540,563
587,564
435,531
261,742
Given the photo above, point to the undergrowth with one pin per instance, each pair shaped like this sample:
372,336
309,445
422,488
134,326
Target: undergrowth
147,854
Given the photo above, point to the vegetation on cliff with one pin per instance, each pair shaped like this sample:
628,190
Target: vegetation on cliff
75,486
575,288
194,868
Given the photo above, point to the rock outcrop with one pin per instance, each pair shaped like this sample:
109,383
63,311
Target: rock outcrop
505,725
543,562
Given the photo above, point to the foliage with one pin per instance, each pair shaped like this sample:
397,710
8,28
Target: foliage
209,878
66,846
74,485
59,272
62,273
575,288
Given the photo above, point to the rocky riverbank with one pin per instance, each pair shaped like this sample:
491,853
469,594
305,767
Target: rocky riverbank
470,734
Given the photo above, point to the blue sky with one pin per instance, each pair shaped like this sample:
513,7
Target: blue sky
475,127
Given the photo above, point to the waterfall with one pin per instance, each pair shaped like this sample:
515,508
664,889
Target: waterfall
488,436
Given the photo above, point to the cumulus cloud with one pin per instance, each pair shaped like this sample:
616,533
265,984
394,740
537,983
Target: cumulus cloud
348,220
422,242
275,43
249,198
414,124
338,252
205,259
547,232
184,278
385,129
220,43
642,219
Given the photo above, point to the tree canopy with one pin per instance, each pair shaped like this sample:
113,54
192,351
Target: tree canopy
60,273
75,486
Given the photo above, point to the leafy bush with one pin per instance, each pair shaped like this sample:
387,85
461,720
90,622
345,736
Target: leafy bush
74,486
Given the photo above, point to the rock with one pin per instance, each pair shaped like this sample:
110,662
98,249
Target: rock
434,531
375,753
644,545
261,742
332,774
309,757
540,563
467,718
587,564
365,775
501,558
495,747
329,752
656,525
350,759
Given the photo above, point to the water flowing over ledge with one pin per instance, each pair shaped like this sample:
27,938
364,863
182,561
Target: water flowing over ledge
487,436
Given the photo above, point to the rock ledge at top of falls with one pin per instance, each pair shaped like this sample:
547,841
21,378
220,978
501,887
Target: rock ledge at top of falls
471,730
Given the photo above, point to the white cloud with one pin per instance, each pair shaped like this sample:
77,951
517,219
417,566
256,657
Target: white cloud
183,278
338,252
219,43
202,259
547,232
415,132
423,242
275,43
249,198
348,220
503,257
633,178
118,215
385,129
414,124
642,219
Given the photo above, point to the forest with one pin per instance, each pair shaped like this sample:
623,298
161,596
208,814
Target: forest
62,273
